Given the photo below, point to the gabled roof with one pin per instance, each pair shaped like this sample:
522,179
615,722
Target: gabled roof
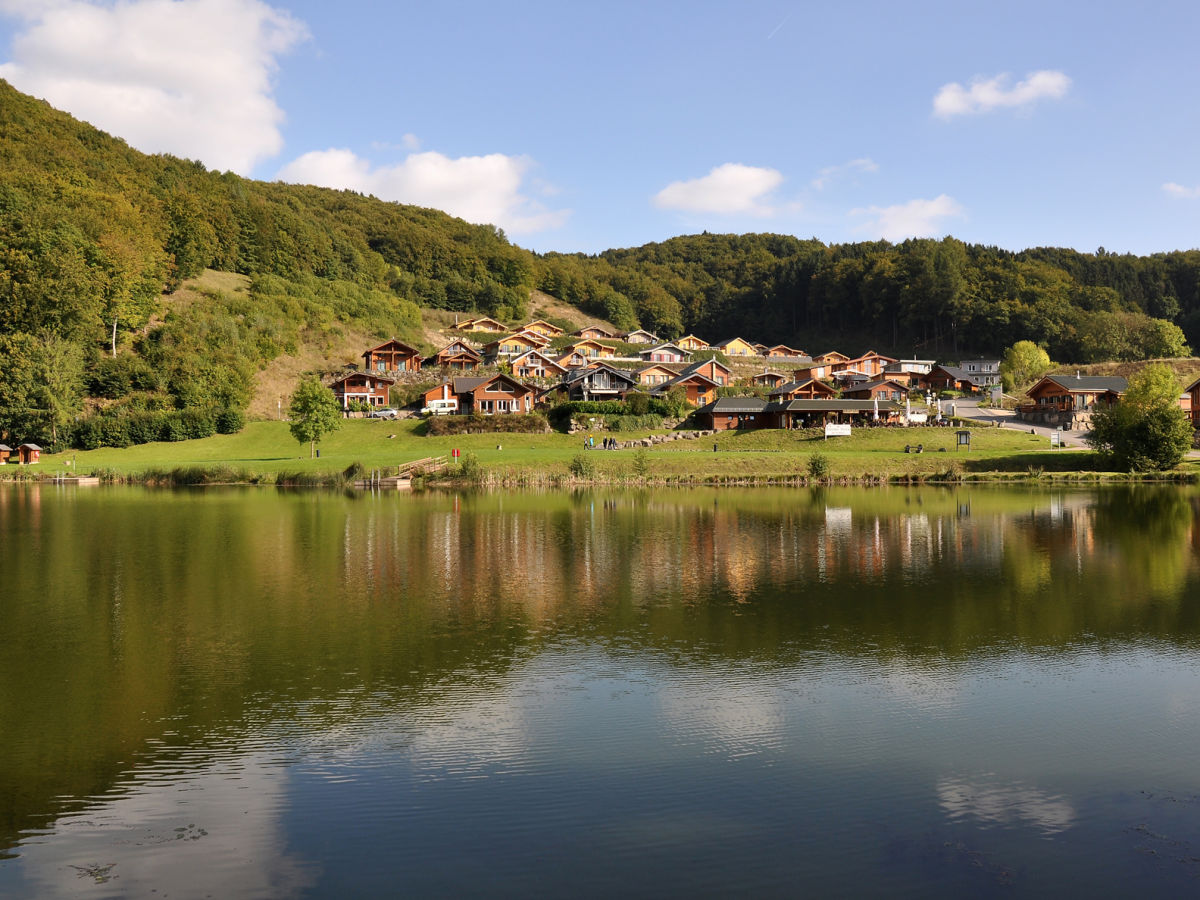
833,406
29,447
5,448
830,356
374,376
530,339
578,374
728,341
681,379
650,334
796,385
394,344
470,385
548,325
791,351
597,328
546,360
673,368
667,346
1191,387
871,385
472,324
1087,383
463,350
701,363
692,337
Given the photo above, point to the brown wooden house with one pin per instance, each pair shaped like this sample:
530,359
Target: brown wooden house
700,389
29,454
483,323
536,364
803,389
458,355
665,353
594,332
5,453
767,378
363,387
658,373
730,413
1192,392
489,396
712,369
392,356
544,328
884,390
1077,392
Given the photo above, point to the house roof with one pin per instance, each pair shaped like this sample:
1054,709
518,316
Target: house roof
871,385
1191,387
649,334
796,385
734,405
1087,383
599,329
575,375
681,379
469,385
5,448
394,344
544,323
29,447
832,406
728,341
374,376
699,364
667,346
459,348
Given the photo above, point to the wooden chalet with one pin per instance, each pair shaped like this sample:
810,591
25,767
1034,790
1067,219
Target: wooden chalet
767,378
700,389
512,345
815,413
802,389
658,373
598,382
363,387
536,364
594,332
457,355
886,389
28,454
572,359
544,328
730,413
871,364
1192,392
1076,392
489,396
691,343
483,323
665,353
593,349
392,356
5,452
946,378
783,351
713,369
641,337
736,347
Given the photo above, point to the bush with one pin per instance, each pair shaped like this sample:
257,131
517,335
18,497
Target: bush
641,463
518,423
819,467
582,466
230,421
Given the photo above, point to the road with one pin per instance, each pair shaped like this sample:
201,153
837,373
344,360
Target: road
969,409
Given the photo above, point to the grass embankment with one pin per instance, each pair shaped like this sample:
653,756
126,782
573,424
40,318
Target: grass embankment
265,451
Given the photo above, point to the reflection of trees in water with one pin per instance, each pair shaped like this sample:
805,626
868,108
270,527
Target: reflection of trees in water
217,609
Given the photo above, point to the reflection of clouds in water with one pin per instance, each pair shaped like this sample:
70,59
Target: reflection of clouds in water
990,800
471,736
743,716
214,832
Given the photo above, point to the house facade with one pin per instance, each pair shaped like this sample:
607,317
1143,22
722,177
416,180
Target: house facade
883,390
736,347
691,343
641,337
392,356
458,355
600,382
363,387
491,396
665,353
732,413
1070,400
535,364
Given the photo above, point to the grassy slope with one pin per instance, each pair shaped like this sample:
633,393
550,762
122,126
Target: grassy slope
267,448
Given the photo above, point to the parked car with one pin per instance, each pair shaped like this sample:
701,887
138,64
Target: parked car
384,413
441,407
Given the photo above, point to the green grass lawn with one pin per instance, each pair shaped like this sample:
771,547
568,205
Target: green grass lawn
267,448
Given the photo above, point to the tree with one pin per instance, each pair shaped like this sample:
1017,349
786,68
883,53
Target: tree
313,412
1023,362
1147,429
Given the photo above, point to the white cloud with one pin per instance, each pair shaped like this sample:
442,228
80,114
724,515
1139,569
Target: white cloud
917,218
188,77
984,95
730,188
831,173
482,189
1178,190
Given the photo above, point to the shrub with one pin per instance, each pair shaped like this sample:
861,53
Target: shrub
641,463
819,467
582,466
230,421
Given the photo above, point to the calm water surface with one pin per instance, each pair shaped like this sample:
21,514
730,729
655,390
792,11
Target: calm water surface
245,693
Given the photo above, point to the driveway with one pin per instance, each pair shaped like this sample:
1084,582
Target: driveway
1005,418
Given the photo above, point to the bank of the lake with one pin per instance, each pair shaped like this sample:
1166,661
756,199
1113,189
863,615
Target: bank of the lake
265,452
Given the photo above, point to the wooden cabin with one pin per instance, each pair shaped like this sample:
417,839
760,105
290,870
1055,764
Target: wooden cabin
28,454
641,337
767,378
5,452
392,356
691,343
710,368
594,332
886,389
544,328
484,323
803,389
363,387
1192,392
513,345
536,364
736,347
699,389
592,349
1076,392
458,355
665,353
489,396
599,382
656,374
730,413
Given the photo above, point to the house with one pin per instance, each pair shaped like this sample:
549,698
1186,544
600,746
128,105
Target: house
536,364
946,378
657,374
513,345
767,378
28,454
736,347
457,355
691,343
392,356
593,332
481,324
665,353
803,389
363,387
830,358
592,349
710,368
441,399
699,389
1192,392
599,382
641,337
1076,393
911,366
572,359
5,453
728,413
489,396
886,389
814,413
783,351
544,328
871,364
983,372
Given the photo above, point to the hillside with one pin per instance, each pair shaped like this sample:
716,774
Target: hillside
96,240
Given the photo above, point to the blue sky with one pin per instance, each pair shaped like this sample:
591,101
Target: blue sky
588,126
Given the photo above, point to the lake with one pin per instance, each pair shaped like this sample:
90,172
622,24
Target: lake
828,692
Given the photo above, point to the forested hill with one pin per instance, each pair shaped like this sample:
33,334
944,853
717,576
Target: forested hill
93,232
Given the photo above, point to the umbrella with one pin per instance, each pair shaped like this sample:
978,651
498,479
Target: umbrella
907,410
876,399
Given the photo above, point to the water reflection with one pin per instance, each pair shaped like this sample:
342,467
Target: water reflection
704,666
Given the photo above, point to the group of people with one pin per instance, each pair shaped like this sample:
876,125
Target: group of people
589,443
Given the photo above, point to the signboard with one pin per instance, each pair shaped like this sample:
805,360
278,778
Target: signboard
454,453
835,429
1055,438
919,418
964,439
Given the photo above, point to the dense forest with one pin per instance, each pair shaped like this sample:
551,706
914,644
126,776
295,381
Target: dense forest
93,232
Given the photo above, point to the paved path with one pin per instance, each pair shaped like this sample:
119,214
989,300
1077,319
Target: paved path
969,409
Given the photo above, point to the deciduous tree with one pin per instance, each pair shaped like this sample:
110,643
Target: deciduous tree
314,413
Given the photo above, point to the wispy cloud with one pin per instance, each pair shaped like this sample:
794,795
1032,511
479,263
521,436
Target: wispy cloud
985,95
832,173
730,189
482,189
189,77
917,218
1179,190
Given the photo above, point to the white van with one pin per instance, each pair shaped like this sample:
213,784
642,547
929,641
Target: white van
441,407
